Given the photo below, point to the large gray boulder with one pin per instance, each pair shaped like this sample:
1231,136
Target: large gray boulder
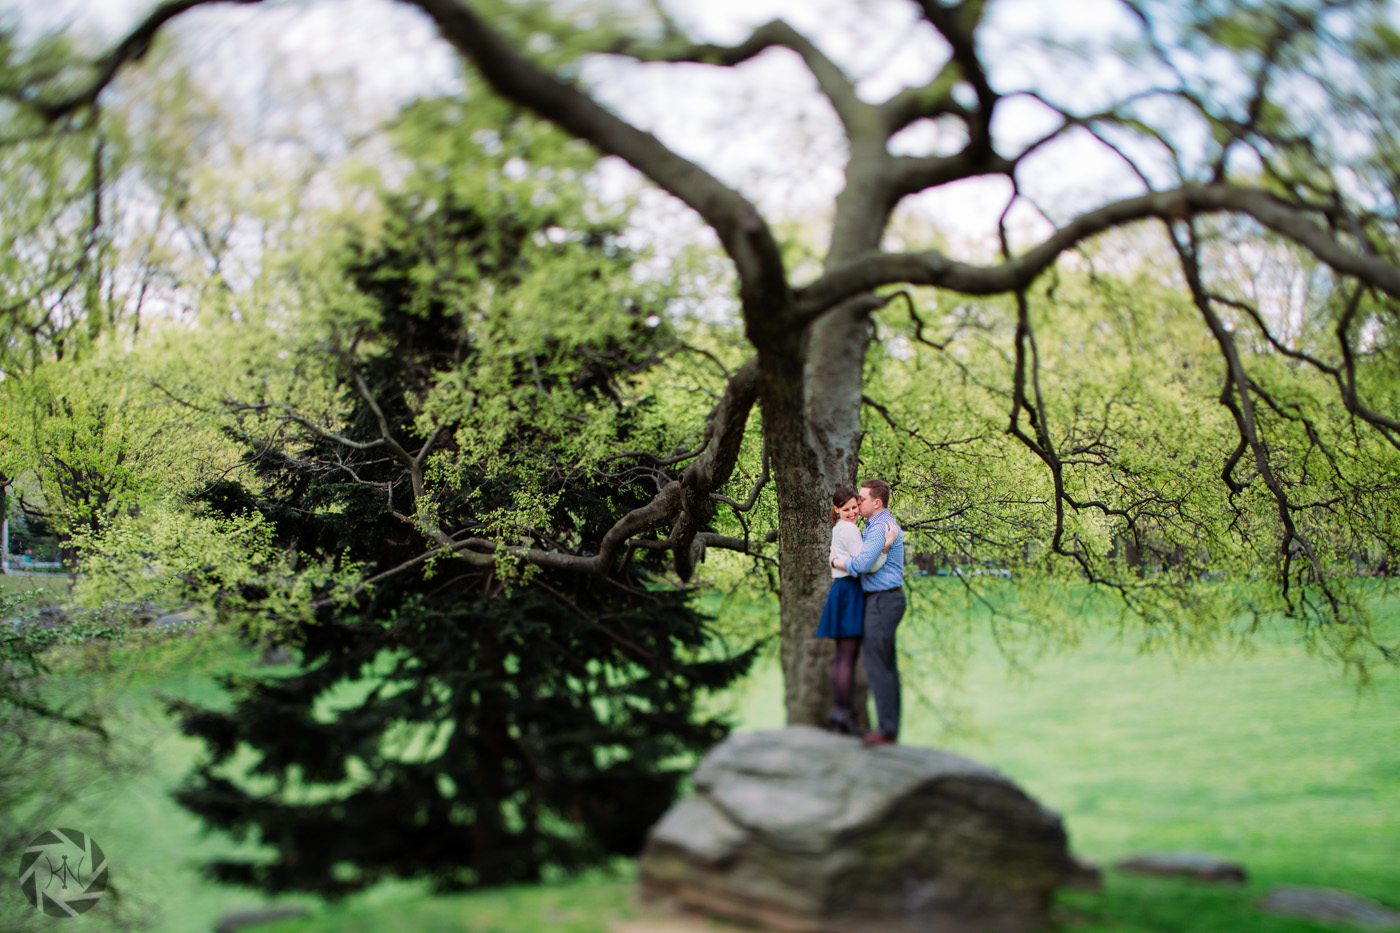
801,830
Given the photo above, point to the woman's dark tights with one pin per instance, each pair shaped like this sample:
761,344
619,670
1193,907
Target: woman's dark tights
843,672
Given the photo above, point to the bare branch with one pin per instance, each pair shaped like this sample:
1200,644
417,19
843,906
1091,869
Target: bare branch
685,502
742,231
1237,397
742,545
933,268
928,101
758,485
914,433
958,24
386,433
653,459
724,435
129,50
911,174
289,414
834,83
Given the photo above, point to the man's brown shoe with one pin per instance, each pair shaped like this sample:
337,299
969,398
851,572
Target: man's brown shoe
877,738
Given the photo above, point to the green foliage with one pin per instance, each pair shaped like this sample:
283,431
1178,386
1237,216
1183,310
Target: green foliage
1126,388
462,388
48,740
46,179
61,194
229,567
78,427
470,741
23,642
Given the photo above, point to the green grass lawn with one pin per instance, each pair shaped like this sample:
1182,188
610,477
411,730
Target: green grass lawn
1269,757
1265,755
153,847
45,588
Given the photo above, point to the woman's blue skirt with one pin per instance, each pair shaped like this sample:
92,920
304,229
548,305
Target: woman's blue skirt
843,616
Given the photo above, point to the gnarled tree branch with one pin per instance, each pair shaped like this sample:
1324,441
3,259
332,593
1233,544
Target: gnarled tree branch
933,268
833,82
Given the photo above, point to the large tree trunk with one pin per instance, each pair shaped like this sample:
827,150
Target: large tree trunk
825,451
805,580
810,458
798,479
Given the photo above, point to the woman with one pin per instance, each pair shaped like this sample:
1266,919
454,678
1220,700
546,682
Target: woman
844,612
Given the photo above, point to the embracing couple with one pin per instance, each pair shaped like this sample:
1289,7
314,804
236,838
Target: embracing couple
865,605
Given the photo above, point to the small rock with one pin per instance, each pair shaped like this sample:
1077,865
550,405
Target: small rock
183,619
277,656
1198,866
1328,905
50,617
243,919
142,613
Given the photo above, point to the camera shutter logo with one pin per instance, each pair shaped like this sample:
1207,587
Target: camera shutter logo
63,873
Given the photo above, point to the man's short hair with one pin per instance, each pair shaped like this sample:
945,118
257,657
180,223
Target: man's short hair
879,489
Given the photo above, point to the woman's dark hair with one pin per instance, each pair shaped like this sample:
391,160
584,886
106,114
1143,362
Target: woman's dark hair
840,497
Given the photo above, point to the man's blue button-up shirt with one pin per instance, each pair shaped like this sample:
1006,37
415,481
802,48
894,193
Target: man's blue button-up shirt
891,574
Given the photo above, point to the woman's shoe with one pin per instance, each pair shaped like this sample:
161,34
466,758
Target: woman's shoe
842,721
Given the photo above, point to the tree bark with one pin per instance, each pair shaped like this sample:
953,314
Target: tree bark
811,456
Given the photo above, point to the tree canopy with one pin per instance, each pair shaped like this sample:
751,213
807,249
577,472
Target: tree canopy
1257,430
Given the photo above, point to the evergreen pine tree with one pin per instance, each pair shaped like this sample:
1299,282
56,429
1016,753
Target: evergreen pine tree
451,726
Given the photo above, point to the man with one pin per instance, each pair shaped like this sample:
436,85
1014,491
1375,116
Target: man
884,603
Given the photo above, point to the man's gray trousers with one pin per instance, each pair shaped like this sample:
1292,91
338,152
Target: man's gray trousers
883,612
